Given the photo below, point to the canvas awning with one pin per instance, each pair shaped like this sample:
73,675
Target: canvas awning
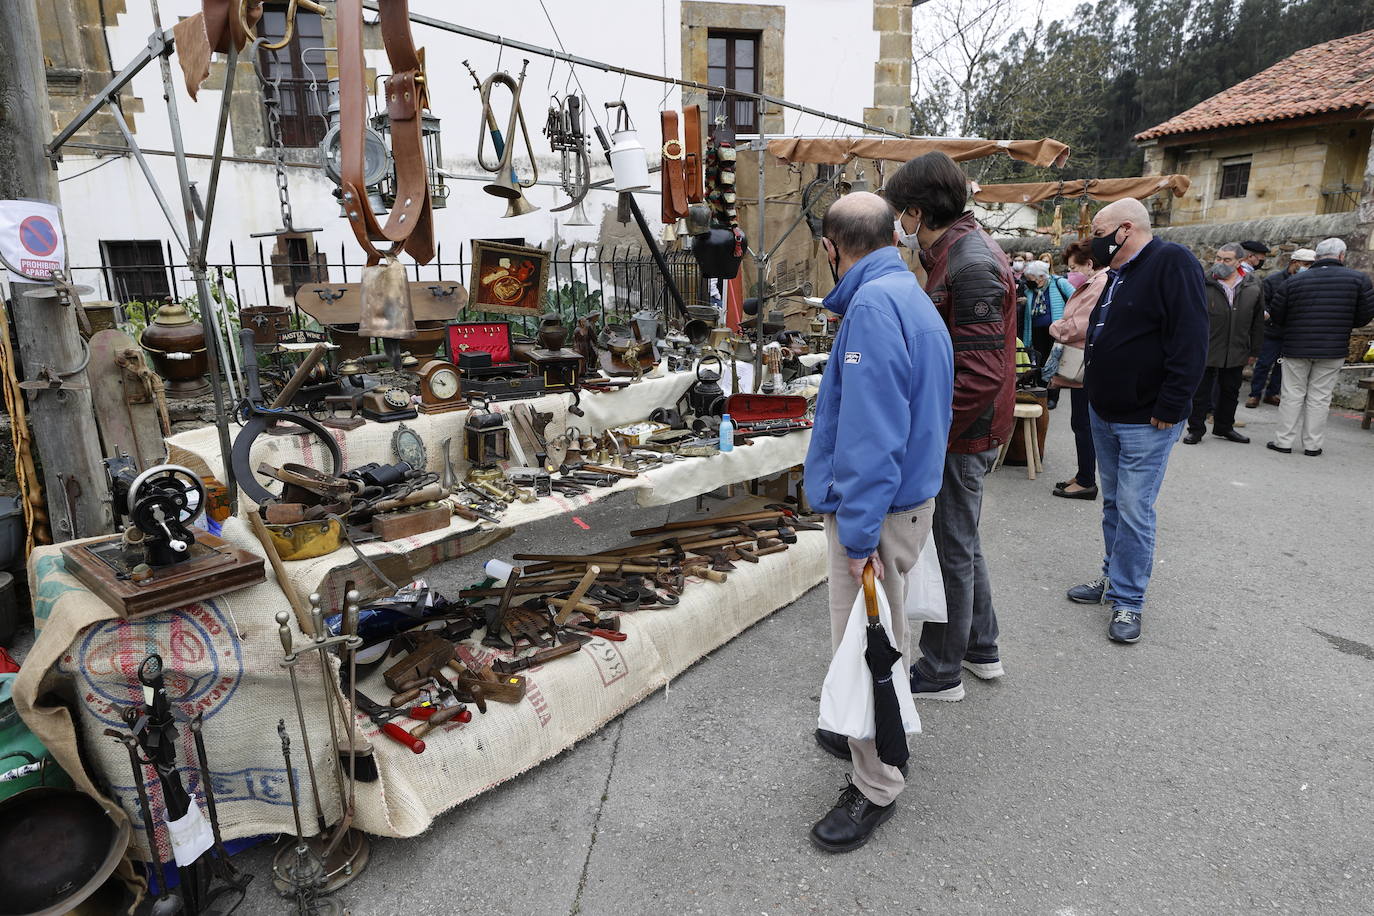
838,150
1105,189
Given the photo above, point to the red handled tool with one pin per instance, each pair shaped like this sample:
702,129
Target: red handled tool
381,716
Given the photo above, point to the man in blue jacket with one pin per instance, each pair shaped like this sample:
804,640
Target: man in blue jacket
876,459
1147,348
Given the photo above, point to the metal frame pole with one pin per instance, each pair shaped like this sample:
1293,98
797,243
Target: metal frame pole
197,245
761,260
760,97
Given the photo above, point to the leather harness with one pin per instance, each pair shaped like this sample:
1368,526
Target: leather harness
410,225
691,162
674,180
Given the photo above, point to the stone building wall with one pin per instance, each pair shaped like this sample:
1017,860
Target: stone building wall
78,64
1289,172
892,71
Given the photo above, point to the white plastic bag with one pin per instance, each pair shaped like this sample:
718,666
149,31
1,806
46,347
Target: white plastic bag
847,695
925,588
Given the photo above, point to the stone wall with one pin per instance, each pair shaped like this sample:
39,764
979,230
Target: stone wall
1282,233
892,71
700,16
78,65
1289,171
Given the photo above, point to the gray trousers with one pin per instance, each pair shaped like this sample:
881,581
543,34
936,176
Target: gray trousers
1306,400
899,545
972,625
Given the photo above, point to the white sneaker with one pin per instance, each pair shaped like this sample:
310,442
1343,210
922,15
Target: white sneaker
985,670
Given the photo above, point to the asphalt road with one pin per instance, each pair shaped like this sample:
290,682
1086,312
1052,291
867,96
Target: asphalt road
1221,765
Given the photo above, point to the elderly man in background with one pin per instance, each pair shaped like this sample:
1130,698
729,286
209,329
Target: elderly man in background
1315,311
1268,374
875,460
971,285
1147,348
1255,255
1235,309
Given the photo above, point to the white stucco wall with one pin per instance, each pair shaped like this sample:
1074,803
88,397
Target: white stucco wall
829,54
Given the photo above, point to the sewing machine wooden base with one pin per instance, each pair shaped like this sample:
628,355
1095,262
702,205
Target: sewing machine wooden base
216,567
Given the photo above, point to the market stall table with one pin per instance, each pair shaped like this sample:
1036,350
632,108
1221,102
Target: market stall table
225,657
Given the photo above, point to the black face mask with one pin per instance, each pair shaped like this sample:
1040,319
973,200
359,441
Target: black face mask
1105,247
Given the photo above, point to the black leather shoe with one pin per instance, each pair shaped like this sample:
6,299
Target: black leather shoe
851,822
1311,452
1086,493
834,744
1278,448
1192,439
1232,436
837,745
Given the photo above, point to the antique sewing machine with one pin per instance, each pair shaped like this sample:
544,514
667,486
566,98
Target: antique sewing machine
159,561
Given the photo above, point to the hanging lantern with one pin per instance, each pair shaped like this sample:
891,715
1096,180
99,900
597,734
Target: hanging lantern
629,163
376,157
434,158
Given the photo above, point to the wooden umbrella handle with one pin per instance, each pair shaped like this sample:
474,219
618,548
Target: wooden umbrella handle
870,592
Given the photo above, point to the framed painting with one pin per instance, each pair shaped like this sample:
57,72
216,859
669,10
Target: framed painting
507,278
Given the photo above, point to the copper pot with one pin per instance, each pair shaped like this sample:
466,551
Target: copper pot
176,343
429,337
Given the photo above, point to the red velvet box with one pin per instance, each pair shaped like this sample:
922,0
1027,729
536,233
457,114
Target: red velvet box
489,336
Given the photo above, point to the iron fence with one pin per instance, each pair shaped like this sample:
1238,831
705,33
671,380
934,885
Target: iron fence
1340,199
616,280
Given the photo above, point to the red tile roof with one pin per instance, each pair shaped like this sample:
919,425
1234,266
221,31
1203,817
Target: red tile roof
1331,76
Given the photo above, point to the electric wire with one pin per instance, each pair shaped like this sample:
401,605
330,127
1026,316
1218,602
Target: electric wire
91,169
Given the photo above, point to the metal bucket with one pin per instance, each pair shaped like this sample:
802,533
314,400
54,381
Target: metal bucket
267,322
57,847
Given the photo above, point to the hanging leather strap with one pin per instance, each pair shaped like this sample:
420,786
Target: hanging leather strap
674,188
410,225
692,169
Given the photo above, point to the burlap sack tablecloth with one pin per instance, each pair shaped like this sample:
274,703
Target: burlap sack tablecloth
223,658
223,655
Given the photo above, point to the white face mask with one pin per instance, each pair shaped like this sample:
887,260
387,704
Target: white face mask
1018,265
903,238
1302,267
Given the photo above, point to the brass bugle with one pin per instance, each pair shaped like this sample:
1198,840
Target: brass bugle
507,184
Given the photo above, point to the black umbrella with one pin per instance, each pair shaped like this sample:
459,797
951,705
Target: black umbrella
881,656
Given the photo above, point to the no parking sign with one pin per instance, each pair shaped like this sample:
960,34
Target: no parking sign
31,238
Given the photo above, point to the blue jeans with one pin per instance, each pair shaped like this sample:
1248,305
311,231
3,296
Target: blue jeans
1131,461
1267,367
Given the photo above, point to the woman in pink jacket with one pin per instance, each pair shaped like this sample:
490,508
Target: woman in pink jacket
1072,331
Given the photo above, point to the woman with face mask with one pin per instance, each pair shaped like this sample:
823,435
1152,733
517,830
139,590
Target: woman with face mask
1072,331
1046,296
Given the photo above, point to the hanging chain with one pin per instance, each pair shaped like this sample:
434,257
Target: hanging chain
271,100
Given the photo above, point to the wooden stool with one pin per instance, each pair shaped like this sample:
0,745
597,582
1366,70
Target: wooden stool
1027,414
1367,383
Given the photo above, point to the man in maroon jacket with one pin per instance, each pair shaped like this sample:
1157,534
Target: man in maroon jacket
970,281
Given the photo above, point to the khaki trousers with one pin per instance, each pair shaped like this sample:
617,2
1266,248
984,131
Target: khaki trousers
1306,400
899,544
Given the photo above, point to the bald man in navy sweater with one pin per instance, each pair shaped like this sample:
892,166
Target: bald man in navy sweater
1147,348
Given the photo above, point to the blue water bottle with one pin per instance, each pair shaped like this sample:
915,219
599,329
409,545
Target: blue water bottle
727,433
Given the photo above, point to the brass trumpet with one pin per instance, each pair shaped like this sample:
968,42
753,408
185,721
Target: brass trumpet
566,136
507,184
